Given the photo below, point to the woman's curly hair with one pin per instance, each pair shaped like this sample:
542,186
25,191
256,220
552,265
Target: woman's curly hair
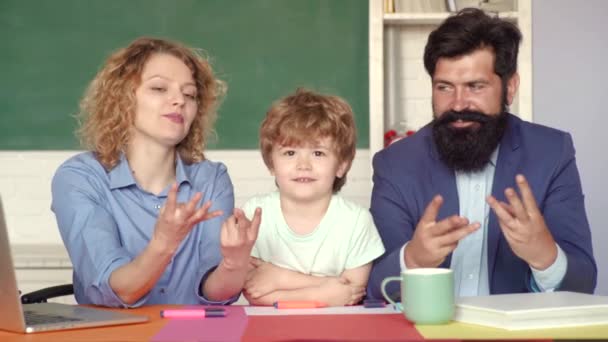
107,109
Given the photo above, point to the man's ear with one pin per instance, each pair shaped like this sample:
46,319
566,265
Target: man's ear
512,87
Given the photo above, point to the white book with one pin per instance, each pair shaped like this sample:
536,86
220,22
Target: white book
523,311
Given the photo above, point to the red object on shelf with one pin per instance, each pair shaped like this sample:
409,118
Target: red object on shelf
392,135
389,137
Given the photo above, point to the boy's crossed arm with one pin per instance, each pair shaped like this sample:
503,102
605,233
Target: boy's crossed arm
267,283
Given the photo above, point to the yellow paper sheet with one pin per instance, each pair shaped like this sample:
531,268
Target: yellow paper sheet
456,330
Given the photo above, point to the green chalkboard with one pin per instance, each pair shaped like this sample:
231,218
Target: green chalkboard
263,49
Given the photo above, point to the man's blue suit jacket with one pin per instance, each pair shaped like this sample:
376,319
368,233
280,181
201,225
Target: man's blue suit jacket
409,173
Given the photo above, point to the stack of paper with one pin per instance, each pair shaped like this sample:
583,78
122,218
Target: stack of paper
533,310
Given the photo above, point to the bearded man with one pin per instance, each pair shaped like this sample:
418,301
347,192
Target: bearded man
496,199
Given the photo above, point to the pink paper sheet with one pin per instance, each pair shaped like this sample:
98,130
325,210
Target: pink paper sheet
229,328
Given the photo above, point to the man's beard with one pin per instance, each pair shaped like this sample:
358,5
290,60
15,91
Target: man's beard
468,149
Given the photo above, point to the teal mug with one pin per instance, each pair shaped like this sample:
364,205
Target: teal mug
427,294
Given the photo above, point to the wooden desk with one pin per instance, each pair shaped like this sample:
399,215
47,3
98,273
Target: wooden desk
366,327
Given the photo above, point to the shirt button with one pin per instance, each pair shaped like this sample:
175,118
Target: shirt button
157,206
470,276
162,290
476,187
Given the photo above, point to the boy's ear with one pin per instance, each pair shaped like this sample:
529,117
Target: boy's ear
341,169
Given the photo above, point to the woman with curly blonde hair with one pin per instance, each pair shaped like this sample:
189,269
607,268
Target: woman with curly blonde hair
141,213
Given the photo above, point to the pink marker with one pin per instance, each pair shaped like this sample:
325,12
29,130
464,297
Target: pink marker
193,313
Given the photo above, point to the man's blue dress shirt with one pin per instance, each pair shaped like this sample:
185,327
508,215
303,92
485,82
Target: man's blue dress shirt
106,220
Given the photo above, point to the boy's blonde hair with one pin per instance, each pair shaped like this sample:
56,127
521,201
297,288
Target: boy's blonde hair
306,116
107,110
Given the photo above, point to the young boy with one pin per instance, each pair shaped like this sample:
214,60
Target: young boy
312,243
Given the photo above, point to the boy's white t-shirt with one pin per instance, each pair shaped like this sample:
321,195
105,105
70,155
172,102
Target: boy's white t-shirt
345,238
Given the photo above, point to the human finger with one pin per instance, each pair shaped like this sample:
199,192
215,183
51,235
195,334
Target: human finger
204,213
452,237
171,203
226,230
200,217
250,275
511,235
213,214
526,194
250,267
519,210
238,230
432,210
356,297
240,217
355,289
343,281
448,224
200,214
254,227
255,261
447,249
190,207
253,292
503,215
507,207
359,294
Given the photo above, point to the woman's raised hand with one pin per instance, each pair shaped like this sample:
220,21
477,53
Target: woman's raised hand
176,220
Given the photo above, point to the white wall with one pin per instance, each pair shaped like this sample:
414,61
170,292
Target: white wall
570,85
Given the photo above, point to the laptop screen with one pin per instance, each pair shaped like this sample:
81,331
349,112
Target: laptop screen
11,312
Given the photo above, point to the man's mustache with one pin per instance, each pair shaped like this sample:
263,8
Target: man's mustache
452,116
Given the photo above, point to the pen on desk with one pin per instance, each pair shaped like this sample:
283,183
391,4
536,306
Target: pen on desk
301,304
373,303
193,313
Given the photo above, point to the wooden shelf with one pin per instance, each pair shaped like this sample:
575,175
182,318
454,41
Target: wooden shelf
408,18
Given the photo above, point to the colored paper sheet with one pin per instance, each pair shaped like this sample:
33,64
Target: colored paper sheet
469,331
331,328
229,328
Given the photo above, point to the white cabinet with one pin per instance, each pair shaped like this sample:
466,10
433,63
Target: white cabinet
400,89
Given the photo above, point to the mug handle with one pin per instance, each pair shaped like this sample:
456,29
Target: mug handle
383,288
